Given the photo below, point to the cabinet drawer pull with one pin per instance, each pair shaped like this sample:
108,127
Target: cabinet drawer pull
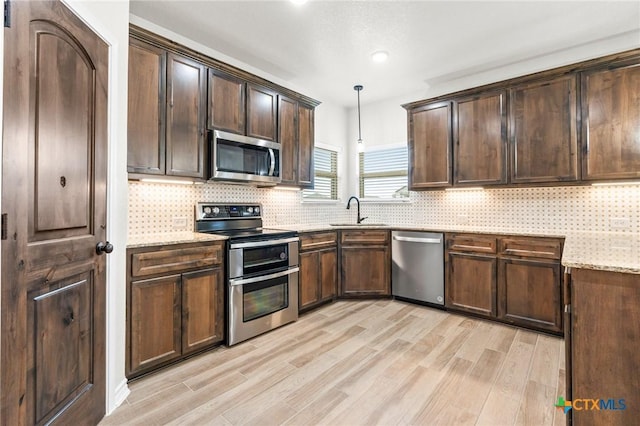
321,243
468,247
529,252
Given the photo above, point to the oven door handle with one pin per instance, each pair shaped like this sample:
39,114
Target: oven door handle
241,281
272,167
253,244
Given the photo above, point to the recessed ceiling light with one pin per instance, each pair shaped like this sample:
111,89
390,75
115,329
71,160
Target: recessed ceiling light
379,56
298,1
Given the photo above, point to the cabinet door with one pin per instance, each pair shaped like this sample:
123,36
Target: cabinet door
226,102
365,271
306,142
146,109
261,113
155,322
544,143
481,140
529,293
288,138
328,274
185,117
430,146
605,331
309,291
610,123
471,283
202,309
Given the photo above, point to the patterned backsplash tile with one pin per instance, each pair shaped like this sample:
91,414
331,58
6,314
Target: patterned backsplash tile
158,207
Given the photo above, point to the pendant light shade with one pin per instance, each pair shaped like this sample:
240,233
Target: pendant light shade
358,88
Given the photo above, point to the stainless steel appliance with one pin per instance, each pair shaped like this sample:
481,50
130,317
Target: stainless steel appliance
417,271
262,269
244,159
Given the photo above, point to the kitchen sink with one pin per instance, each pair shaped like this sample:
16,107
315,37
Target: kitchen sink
358,224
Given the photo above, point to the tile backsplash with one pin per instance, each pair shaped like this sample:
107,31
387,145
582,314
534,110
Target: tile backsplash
159,208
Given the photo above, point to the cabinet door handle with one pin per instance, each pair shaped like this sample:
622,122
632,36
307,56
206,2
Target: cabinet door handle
418,240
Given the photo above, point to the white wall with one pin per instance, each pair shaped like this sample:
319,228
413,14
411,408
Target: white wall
110,19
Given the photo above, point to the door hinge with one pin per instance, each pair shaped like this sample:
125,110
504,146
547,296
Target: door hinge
7,14
3,232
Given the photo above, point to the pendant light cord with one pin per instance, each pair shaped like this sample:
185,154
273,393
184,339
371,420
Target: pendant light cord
358,88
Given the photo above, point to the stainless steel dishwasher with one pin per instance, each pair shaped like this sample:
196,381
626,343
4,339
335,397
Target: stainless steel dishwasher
417,272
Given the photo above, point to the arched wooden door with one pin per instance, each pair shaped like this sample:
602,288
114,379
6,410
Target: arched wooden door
54,197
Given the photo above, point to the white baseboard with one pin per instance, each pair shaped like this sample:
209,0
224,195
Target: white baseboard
121,393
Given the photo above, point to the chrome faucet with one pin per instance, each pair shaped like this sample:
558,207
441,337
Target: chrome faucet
360,219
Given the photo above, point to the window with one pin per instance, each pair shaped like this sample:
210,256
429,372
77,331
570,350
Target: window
325,163
383,173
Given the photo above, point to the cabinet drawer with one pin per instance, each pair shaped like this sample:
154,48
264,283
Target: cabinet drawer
546,248
472,243
317,240
175,260
364,237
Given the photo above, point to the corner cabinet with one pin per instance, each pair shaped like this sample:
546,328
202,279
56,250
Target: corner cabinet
175,303
166,113
430,138
318,269
365,259
610,122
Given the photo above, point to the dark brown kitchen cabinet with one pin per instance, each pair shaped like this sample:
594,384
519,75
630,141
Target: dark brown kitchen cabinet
262,107
603,343
470,281
175,303
480,134
365,259
430,139
610,122
544,142
306,143
186,112
227,102
166,114
510,278
318,269
146,109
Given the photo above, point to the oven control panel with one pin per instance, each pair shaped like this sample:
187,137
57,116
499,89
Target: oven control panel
206,211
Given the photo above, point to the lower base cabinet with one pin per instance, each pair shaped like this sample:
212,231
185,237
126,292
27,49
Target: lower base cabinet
178,309
603,340
365,259
516,280
318,269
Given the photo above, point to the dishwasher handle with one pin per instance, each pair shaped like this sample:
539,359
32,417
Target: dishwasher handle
418,240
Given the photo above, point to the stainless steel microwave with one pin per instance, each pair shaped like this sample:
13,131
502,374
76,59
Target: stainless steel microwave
244,159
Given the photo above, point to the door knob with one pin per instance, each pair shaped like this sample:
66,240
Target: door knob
105,247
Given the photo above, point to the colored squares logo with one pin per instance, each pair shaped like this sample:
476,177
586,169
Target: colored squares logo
561,404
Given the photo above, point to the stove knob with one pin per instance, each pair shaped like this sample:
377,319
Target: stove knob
257,209
206,210
249,210
216,210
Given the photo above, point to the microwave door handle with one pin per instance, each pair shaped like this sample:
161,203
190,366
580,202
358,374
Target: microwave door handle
272,167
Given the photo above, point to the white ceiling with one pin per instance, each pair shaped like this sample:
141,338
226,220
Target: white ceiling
325,46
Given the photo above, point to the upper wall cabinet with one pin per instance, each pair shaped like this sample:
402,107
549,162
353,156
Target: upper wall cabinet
262,107
430,137
226,102
577,123
611,123
166,114
306,136
480,134
146,109
296,135
544,143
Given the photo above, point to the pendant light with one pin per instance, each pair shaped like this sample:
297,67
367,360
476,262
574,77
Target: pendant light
358,88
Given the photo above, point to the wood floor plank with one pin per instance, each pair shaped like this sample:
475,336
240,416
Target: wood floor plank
362,363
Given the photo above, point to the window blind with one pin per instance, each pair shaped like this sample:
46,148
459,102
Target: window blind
383,173
325,163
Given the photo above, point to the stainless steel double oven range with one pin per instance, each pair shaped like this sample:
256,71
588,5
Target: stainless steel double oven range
262,269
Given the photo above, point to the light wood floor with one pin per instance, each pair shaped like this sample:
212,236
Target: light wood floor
362,363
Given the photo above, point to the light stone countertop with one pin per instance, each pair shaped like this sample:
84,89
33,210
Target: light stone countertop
616,252
168,238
